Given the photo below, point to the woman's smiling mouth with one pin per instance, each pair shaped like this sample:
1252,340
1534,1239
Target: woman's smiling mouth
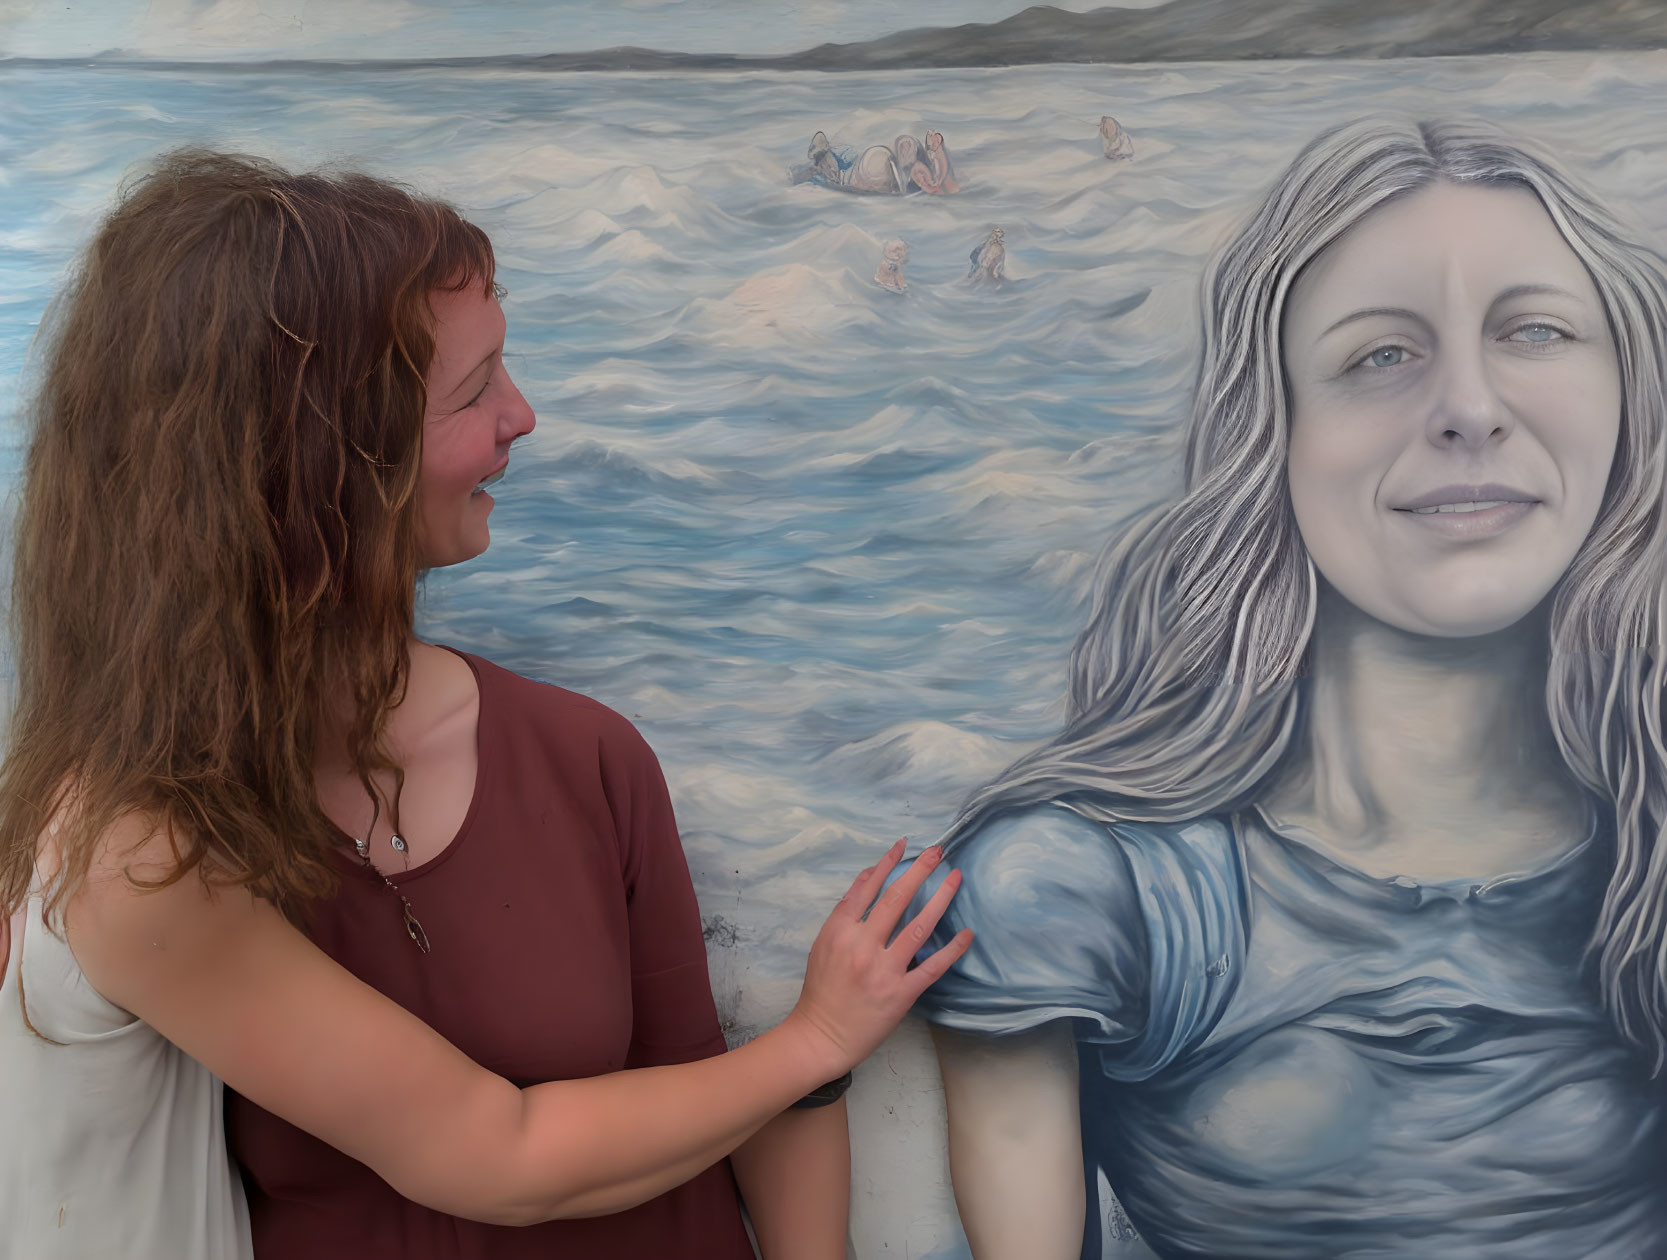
1467,512
1461,507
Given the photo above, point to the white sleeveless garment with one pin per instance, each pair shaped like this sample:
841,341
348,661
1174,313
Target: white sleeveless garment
112,1144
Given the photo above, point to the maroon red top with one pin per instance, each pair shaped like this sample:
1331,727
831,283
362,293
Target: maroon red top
566,943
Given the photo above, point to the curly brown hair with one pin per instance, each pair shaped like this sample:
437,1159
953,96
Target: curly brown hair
216,549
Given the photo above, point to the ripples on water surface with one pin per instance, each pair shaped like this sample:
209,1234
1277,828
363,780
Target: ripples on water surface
824,543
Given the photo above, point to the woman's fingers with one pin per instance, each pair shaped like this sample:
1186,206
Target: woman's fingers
931,968
861,894
889,909
919,929
856,986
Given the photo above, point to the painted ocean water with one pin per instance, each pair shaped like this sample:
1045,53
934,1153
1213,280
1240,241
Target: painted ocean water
826,543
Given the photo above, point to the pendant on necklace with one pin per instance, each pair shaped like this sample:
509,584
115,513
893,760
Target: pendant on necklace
362,846
413,929
398,841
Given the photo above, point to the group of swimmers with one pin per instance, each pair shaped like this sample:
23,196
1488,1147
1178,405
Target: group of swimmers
988,262
909,166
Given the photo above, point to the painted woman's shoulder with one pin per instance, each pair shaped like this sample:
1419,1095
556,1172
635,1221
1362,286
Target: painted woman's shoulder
1055,842
1134,929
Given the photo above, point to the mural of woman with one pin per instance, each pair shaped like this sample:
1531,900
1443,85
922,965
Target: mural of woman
1334,921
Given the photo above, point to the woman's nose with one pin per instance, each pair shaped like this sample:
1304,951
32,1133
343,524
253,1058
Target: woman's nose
1467,408
518,419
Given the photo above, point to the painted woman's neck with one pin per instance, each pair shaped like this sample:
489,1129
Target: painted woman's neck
1412,732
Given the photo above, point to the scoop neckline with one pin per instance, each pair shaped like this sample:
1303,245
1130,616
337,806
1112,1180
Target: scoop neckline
460,837
1311,849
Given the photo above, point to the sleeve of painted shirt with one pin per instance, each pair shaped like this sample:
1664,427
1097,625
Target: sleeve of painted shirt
673,1016
1058,930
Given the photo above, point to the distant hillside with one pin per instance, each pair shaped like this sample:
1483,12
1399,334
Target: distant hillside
1231,30
1181,30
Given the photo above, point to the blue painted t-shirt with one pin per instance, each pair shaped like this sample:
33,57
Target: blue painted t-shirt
1282,1058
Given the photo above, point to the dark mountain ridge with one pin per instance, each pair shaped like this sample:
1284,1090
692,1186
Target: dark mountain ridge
1181,30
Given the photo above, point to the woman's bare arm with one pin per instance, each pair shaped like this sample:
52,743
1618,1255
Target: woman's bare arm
222,975
1015,1141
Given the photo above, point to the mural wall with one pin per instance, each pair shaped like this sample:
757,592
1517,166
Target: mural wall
843,382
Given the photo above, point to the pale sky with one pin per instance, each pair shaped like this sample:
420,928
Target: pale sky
257,29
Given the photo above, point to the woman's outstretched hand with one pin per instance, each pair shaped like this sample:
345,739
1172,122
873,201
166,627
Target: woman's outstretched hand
859,980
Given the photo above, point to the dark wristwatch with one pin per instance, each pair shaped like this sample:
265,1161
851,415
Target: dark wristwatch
822,1095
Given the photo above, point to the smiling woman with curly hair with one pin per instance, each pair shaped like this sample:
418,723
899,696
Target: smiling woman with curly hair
431,921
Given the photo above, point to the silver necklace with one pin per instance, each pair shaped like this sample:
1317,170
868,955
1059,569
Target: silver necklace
413,927
396,841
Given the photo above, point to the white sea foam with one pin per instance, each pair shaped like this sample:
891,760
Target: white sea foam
631,246
841,242
794,301
919,754
640,192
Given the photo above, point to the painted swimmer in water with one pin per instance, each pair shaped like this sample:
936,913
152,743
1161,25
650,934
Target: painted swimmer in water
937,161
889,275
873,171
910,164
824,167
1114,141
989,260
823,160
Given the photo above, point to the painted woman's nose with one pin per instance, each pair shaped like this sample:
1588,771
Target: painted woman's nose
1467,409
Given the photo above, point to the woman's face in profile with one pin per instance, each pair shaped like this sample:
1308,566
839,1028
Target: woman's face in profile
474,413
1455,405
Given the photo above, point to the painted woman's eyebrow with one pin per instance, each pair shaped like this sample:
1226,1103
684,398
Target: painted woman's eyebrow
1538,290
1399,312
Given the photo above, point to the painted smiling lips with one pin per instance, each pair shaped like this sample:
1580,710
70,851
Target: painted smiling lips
492,480
1469,512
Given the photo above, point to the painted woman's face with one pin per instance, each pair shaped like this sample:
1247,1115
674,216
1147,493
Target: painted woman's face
1456,403
474,413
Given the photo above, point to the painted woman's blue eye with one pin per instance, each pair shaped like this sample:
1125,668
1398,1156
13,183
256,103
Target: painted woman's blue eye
1537,333
1386,356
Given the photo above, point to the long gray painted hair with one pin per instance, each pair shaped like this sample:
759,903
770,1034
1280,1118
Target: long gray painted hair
1183,688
